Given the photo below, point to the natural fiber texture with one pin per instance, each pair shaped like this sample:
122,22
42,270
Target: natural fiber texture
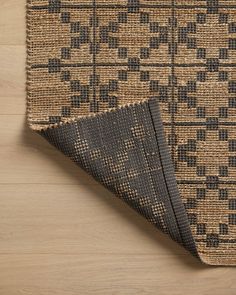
98,73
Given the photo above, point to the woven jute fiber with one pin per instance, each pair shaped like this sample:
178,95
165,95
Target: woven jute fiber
142,95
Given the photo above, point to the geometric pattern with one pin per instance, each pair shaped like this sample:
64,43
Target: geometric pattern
90,56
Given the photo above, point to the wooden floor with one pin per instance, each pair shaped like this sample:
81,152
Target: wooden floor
60,232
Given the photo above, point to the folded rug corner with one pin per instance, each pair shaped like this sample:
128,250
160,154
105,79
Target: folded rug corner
142,95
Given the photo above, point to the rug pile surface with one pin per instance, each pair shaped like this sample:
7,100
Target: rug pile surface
142,95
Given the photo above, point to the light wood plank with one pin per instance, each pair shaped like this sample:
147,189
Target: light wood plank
111,274
12,65
13,105
75,219
12,22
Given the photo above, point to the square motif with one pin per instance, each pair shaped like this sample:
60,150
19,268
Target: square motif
132,37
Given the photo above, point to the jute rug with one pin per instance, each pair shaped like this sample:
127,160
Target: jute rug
142,95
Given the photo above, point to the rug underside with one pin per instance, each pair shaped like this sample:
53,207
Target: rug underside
142,95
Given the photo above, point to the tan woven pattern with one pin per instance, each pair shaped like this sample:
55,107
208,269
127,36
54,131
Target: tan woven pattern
87,70
86,57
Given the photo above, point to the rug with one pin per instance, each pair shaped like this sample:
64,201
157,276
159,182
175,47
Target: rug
142,95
